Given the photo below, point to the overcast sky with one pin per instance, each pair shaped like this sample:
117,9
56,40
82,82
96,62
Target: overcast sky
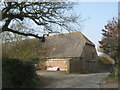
99,13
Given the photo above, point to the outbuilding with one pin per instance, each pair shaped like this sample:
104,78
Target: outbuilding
70,52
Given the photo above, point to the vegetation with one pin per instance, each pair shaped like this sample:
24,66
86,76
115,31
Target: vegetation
115,75
19,60
18,74
109,42
41,64
24,50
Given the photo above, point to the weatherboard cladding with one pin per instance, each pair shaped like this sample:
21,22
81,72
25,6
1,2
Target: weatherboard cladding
64,45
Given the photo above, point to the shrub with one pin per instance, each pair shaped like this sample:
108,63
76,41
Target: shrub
41,64
17,73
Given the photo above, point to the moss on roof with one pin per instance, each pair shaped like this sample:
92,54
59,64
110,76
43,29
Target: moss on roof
106,60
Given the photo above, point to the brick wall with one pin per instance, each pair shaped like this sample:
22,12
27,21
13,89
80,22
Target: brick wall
61,63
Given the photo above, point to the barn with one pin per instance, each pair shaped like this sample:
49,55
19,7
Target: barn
71,52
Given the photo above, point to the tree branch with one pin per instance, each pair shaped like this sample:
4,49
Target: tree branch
21,33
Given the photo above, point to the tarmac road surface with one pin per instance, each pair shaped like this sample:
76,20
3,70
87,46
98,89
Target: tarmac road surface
74,80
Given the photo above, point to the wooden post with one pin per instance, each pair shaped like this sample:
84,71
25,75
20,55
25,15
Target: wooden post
68,66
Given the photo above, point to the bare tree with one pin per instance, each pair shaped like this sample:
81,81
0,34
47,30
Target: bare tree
51,17
9,36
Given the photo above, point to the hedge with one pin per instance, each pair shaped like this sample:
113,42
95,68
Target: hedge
17,73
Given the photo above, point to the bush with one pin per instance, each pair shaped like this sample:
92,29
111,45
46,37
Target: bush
17,73
114,75
41,64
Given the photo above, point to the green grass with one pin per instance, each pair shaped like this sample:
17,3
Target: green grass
115,74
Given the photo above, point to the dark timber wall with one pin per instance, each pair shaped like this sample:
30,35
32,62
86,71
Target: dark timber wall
105,67
89,59
75,65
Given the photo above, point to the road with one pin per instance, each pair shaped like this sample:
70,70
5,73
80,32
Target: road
74,80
